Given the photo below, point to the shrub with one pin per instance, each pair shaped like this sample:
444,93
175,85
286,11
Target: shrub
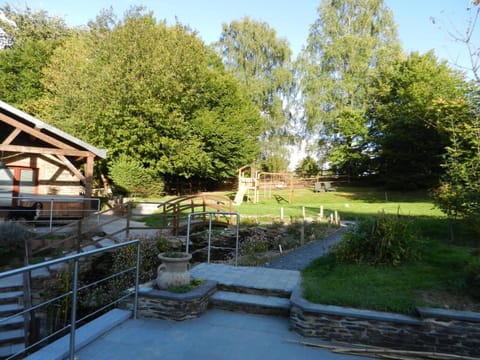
472,277
12,239
134,178
379,240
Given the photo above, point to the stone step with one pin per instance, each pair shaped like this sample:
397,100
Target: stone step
11,283
10,309
14,336
10,297
251,303
12,323
7,350
145,208
279,293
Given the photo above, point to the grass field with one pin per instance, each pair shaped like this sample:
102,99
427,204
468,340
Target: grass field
349,202
437,279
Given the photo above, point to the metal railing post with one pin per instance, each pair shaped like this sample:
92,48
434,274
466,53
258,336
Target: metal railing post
211,213
137,275
187,241
209,238
73,316
129,215
51,214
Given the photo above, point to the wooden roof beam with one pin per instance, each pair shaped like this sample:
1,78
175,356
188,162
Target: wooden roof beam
12,136
34,132
42,150
72,168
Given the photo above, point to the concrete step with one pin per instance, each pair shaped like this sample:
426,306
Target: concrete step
10,309
10,297
87,333
11,283
15,336
145,209
7,350
251,303
12,323
280,293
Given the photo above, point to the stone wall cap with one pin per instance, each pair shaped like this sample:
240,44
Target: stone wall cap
448,314
199,291
298,300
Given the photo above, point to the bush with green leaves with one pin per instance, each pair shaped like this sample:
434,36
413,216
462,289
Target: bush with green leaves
12,239
379,240
130,175
472,277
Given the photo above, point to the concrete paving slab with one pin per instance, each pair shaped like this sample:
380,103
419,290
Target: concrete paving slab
11,281
252,277
215,335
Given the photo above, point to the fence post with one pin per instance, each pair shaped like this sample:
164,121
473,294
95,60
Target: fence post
129,215
137,275
79,236
73,313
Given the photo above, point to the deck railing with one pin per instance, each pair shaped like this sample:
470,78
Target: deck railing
55,209
71,294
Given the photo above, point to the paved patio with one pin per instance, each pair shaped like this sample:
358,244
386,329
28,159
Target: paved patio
215,335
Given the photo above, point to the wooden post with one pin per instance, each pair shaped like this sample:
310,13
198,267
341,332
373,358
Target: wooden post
129,215
88,183
291,197
79,236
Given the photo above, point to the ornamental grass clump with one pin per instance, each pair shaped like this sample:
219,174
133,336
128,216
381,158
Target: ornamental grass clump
379,240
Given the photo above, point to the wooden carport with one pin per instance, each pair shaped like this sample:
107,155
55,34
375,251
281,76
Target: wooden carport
30,142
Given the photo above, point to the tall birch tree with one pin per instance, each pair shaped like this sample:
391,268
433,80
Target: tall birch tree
348,45
261,60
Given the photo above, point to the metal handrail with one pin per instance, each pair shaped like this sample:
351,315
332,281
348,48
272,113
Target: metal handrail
52,200
73,291
211,214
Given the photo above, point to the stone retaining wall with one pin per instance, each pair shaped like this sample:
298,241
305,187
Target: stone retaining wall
436,330
161,304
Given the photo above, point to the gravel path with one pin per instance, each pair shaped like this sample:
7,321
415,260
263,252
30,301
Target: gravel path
298,259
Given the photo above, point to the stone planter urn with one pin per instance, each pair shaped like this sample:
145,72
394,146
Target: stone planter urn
174,269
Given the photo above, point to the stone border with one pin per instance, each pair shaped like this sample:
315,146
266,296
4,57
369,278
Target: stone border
438,330
162,304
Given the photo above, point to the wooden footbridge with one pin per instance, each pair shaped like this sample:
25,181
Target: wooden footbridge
175,211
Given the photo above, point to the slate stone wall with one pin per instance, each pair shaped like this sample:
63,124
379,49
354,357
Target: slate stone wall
435,330
161,304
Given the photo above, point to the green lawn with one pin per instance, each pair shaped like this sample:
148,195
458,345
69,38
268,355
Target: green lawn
349,202
438,279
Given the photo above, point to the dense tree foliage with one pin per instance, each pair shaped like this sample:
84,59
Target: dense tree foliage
259,59
154,93
33,36
168,107
407,144
459,192
348,45
307,167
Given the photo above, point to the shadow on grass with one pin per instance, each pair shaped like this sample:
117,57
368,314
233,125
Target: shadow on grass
376,195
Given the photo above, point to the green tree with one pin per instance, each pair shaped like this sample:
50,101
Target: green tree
348,45
408,143
33,36
154,93
307,167
259,59
459,192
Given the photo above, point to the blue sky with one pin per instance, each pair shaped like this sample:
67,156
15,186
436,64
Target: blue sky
290,18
